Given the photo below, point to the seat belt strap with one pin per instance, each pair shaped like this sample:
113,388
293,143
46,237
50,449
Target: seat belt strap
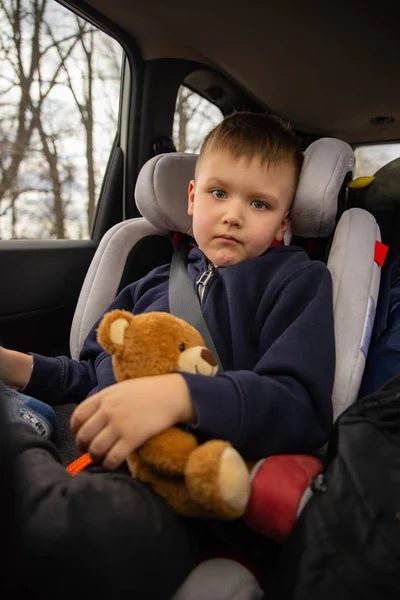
183,299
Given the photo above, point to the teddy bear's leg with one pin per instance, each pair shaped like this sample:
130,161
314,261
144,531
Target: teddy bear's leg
174,491
167,453
218,479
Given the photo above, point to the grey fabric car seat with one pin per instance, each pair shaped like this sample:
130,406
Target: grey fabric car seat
161,195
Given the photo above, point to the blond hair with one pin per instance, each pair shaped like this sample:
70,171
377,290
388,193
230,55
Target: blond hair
250,135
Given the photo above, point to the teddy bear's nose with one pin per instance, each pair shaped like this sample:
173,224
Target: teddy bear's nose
209,357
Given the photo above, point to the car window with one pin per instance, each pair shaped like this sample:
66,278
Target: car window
194,117
59,99
369,159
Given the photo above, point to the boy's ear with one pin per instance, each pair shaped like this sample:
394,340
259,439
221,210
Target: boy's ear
191,190
282,228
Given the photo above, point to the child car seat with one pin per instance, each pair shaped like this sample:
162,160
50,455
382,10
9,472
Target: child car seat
161,195
381,197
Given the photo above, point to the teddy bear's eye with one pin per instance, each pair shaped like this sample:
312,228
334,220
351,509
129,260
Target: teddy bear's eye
182,347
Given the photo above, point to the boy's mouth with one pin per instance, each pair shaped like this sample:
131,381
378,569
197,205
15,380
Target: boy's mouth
228,239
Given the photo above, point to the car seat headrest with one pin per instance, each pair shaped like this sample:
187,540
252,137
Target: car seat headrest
162,189
326,163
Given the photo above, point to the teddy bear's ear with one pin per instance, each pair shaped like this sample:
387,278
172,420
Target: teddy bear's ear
111,331
117,330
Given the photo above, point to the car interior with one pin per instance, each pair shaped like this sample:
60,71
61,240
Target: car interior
329,70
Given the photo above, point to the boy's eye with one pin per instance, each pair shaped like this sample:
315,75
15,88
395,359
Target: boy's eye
259,205
219,194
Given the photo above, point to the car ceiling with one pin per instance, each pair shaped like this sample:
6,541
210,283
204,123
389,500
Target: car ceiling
328,67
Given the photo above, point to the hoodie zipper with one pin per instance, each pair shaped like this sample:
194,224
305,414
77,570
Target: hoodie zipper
204,279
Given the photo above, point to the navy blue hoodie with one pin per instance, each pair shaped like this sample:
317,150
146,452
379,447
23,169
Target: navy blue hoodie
271,319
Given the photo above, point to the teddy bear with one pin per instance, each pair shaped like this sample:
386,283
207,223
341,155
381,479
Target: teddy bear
209,480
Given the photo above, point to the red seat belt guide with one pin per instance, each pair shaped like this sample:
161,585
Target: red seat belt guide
380,253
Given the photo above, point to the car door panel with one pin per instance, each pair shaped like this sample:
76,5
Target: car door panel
41,282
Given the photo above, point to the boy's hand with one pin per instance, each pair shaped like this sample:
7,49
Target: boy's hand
15,367
122,417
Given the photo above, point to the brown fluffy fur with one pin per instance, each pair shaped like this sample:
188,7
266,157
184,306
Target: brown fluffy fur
183,472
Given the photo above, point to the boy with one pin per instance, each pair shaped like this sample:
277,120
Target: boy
270,315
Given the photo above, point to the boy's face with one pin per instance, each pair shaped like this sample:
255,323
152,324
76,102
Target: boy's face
239,206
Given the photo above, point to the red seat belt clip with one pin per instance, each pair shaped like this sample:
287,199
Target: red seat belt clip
380,253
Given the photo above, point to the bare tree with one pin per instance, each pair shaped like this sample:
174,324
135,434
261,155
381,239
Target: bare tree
108,76
85,36
42,55
52,156
183,114
24,77
194,117
21,54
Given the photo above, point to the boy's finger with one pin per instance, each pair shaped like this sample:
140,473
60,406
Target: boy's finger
102,443
83,412
90,430
117,454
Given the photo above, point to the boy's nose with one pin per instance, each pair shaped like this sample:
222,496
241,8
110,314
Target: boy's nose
233,216
233,219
